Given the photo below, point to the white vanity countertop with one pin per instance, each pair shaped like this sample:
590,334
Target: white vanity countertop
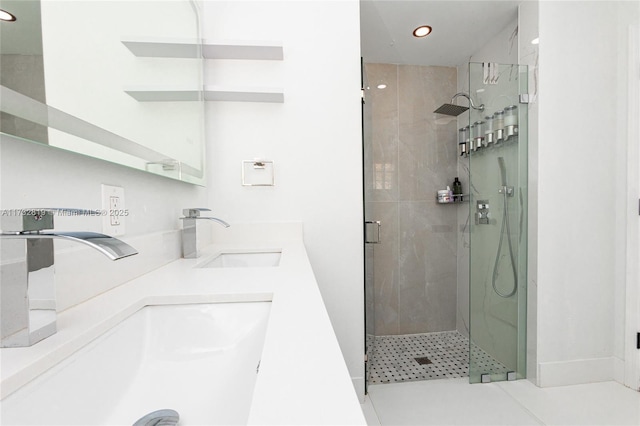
303,378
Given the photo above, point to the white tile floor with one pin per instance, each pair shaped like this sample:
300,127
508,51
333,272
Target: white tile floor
456,402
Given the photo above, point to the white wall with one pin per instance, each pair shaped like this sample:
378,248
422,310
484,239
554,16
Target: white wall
632,293
33,176
314,138
581,185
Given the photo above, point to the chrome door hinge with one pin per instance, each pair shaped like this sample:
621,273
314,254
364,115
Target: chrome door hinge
526,98
375,238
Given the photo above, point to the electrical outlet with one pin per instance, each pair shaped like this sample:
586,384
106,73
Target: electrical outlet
113,210
114,206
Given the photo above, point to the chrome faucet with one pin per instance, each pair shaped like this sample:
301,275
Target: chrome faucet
27,290
189,234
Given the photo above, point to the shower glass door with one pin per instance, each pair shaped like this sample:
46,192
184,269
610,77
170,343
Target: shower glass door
369,239
498,223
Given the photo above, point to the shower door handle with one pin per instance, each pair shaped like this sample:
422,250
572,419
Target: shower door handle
376,233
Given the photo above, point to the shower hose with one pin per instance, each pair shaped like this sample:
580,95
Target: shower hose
505,222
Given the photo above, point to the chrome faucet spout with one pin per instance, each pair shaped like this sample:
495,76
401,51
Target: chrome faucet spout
111,247
215,219
27,284
189,230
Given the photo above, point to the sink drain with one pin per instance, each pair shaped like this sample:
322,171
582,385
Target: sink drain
159,418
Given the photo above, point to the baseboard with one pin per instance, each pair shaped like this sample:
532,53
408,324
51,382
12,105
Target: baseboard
618,370
577,372
358,384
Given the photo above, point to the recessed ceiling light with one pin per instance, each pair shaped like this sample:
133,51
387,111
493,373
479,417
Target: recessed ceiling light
382,86
6,16
422,31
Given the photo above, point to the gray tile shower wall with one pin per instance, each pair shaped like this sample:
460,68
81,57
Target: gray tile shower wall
410,154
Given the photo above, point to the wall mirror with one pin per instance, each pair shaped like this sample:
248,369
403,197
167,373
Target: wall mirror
116,80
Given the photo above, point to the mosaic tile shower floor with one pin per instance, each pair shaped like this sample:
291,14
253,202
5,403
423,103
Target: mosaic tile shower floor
394,357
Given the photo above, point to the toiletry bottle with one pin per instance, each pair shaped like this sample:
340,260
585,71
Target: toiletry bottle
450,194
457,190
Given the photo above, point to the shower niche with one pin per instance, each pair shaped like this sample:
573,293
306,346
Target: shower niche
497,234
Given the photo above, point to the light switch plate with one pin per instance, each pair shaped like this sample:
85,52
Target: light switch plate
113,210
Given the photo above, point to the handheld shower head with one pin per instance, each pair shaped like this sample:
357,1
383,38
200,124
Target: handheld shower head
455,110
503,170
506,192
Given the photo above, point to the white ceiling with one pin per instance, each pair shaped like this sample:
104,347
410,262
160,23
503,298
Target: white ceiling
23,36
460,28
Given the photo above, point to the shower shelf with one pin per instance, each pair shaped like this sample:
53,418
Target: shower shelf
207,93
464,200
161,47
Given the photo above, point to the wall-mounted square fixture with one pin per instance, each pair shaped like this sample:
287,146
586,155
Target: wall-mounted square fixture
257,173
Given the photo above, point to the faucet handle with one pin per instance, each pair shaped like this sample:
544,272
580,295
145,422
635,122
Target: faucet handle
194,211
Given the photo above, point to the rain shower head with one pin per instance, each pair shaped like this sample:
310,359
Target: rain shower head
455,110
451,109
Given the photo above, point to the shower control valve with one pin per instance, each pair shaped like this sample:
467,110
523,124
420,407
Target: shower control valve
482,212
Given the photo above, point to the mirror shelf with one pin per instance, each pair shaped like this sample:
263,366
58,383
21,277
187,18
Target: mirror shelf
131,153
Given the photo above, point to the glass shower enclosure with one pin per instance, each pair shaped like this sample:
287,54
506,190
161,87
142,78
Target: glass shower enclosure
497,154
439,272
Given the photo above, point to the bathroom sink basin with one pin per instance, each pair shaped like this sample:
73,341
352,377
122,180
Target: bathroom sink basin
245,259
200,360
